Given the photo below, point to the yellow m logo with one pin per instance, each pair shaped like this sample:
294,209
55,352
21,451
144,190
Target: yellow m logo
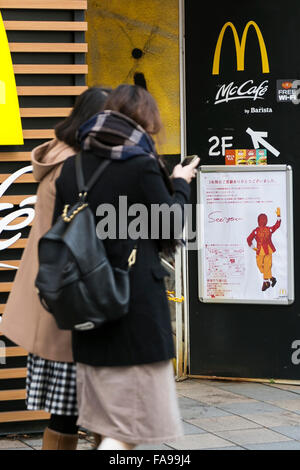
10,121
240,48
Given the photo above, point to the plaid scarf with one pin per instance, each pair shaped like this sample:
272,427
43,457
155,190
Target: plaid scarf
115,136
112,135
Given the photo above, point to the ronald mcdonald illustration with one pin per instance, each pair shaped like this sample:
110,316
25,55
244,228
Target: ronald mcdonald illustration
264,247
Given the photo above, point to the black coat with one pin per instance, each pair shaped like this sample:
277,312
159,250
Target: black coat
144,335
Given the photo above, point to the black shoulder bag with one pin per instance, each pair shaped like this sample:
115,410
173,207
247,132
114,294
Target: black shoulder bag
76,282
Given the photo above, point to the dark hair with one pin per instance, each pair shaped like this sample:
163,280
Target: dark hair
136,103
139,105
89,103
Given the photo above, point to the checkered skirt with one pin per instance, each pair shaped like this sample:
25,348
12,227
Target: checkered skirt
51,386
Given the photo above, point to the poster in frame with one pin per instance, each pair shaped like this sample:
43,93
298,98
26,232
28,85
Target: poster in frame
245,234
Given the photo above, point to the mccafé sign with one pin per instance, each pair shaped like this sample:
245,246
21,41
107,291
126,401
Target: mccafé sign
10,121
240,47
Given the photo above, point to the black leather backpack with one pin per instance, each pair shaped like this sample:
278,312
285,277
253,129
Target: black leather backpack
76,282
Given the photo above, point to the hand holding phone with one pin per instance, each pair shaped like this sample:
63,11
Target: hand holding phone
187,171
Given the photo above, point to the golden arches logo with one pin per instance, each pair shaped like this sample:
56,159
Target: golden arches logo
283,292
240,47
10,120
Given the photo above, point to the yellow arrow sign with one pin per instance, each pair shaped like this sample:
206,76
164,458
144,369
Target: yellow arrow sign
10,121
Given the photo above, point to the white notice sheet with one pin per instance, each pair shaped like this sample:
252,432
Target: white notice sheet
244,236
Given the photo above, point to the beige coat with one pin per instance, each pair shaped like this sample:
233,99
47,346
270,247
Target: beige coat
25,322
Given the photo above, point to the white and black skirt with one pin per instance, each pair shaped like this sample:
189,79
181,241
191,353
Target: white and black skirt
51,386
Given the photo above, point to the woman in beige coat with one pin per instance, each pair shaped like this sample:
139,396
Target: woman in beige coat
51,377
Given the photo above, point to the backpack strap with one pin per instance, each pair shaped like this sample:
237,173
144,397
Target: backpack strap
83,187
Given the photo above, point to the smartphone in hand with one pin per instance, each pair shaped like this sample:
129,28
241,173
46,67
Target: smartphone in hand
188,159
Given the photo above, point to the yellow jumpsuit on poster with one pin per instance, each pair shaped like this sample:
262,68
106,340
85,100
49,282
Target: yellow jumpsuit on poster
264,262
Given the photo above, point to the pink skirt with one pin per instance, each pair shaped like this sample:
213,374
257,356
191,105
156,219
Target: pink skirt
135,404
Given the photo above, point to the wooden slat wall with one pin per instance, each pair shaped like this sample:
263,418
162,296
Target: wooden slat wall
47,90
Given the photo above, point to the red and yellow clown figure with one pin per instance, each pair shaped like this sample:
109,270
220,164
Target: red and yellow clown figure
264,247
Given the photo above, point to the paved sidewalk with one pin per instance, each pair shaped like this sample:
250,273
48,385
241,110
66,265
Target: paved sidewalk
220,415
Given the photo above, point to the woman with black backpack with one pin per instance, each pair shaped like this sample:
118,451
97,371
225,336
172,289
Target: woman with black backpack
125,378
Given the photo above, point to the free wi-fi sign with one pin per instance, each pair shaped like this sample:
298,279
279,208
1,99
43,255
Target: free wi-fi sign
10,120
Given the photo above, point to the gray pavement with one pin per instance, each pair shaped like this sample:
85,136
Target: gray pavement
219,415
